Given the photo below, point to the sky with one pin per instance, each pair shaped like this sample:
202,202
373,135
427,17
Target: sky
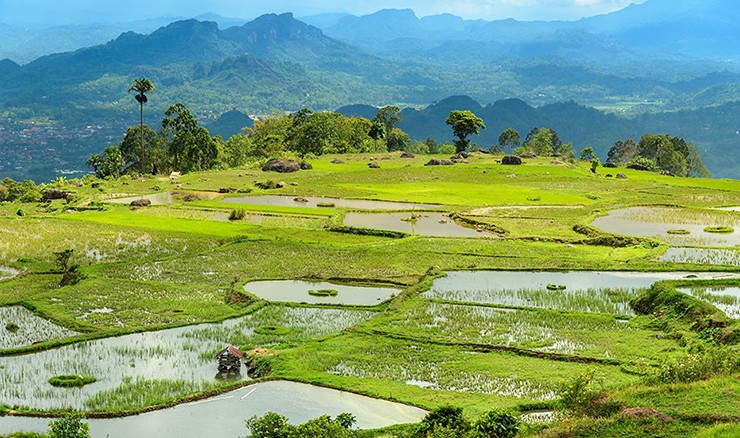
110,11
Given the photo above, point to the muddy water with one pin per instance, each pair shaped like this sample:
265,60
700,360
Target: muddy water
312,202
297,292
626,221
426,224
224,415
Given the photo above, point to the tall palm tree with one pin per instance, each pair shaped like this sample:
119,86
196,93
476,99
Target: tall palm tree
141,86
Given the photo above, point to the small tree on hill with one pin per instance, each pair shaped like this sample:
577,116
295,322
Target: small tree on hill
464,123
71,426
508,139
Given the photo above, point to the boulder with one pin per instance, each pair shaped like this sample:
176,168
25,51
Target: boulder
528,155
303,200
635,166
305,165
373,165
609,165
405,154
621,176
50,194
281,165
142,202
227,190
436,162
511,160
337,161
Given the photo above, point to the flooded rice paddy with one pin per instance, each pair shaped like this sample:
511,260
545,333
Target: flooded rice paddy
298,292
226,413
128,363
315,202
726,299
657,221
702,256
425,224
586,291
167,198
6,273
19,327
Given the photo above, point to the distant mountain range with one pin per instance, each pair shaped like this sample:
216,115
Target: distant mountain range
655,63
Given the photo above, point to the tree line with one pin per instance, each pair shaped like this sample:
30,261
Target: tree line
182,145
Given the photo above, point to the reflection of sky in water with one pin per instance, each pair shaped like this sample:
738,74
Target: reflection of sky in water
624,221
297,291
726,299
702,256
312,202
184,353
31,329
426,224
224,415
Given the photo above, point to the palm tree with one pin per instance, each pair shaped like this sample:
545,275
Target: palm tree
141,86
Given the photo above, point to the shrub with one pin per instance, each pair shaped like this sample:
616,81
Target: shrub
71,426
12,327
678,231
443,417
698,366
270,425
585,395
71,381
496,424
237,215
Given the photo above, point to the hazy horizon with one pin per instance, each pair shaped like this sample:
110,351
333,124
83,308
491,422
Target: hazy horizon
69,12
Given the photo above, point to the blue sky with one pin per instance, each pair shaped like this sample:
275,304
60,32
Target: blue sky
87,11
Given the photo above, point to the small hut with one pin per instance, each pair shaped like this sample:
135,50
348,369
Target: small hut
229,360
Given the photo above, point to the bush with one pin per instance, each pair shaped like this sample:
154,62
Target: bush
496,424
699,366
237,215
585,395
71,426
443,417
12,327
323,293
270,425
720,230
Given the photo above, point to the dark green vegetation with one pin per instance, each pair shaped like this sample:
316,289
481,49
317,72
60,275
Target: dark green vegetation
323,293
719,230
71,381
169,265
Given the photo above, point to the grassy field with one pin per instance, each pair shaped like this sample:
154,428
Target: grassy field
173,265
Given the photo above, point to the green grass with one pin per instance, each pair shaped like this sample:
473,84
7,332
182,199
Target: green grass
71,381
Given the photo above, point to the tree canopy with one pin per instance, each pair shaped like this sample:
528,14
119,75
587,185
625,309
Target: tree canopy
464,123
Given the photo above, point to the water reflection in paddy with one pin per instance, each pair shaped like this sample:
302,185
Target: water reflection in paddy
702,256
224,415
726,299
166,198
312,202
425,224
298,292
590,291
643,221
184,354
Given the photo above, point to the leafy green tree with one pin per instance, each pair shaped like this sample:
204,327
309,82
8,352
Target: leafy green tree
398,140
464,123
508,139
141,86
190,146
21,191
142,151
271,134
540,143
238,150
109,164
587,154
70,426
323,427
388,117
622,152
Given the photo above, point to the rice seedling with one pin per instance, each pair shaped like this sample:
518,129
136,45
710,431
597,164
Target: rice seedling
726,299
20,327
702,256
71,381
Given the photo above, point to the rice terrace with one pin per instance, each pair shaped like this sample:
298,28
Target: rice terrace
541,311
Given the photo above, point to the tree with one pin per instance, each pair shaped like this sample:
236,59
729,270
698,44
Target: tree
109,164
496,424
387,117
190,146
397,140
448,417
270,425
508,139
587,154
70,426
141,86
464,123
622,152
142,151
540,142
